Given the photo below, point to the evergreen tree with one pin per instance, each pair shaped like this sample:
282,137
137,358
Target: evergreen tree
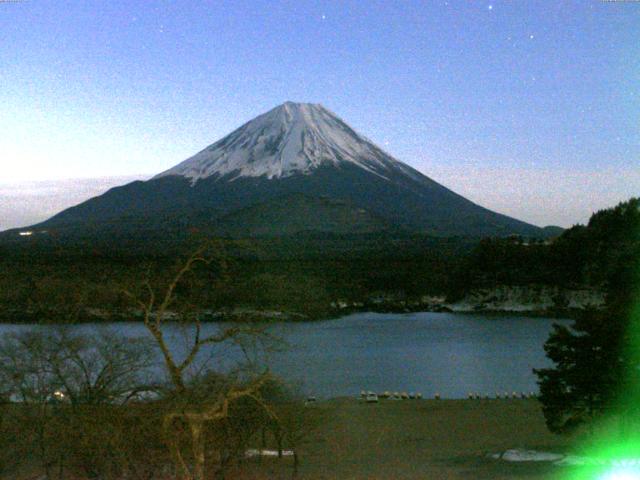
597,360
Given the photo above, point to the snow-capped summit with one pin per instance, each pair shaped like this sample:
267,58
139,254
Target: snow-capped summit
291,138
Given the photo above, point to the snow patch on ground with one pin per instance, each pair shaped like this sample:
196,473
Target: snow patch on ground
560,460
516,455
577,461
527,298
267,453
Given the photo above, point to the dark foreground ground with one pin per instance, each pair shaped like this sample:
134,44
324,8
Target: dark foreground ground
427,439
415,439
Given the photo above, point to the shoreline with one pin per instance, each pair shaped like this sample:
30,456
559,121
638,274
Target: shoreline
51,317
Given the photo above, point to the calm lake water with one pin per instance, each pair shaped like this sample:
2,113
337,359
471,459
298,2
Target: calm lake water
449,353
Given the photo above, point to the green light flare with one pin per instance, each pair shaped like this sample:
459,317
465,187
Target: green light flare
614,447
620,473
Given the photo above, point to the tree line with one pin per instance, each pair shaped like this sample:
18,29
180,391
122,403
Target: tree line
589,255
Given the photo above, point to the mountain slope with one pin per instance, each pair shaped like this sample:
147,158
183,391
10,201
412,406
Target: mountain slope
294,151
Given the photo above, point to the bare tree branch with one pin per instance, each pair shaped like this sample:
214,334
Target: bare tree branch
195,415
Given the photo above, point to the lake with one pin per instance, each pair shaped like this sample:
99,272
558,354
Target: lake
448,353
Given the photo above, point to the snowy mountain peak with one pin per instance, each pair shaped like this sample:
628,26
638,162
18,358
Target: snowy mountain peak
332,180
293,138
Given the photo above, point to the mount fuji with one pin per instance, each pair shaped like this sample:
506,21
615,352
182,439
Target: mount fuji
296,168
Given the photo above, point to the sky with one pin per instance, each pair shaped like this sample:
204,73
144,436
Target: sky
531,108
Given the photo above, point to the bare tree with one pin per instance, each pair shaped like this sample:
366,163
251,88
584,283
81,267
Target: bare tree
197,416
67,392
293,422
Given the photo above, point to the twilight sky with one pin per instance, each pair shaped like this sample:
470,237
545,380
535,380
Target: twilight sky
531,108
